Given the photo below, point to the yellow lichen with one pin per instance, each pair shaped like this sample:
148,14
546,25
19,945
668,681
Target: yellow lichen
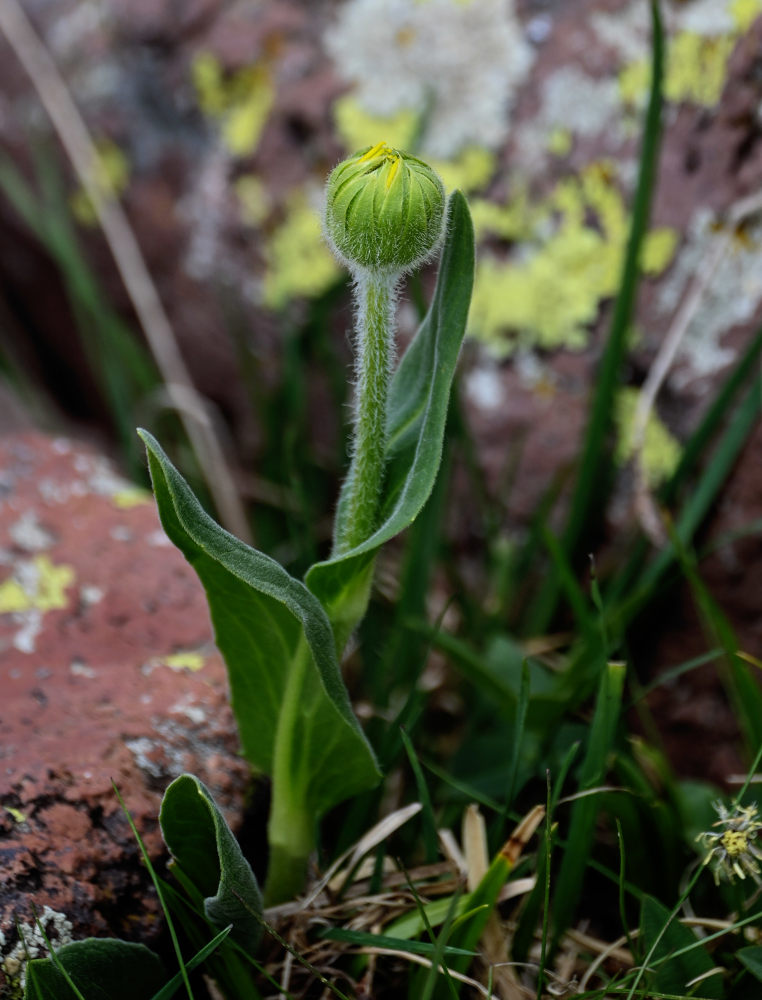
658,250
571,261
512,221
239,102
696,70
253,201
297,259
661,451
560,142
15,814
41,586
745,12
183,661
469,170
111,175
131,496
357,128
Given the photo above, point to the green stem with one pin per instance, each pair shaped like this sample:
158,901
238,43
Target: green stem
358,513
291,827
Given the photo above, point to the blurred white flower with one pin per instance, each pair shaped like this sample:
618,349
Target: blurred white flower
457,63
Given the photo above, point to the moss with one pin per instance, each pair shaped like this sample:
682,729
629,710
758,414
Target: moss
239,102
298,261
661,451
551,294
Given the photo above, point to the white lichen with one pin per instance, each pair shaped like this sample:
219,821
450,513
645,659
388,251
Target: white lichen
731,298
455,64
31,944
576,102
27,533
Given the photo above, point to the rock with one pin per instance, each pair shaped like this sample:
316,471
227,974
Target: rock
108,673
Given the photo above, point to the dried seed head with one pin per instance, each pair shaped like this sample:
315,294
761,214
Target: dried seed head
384,210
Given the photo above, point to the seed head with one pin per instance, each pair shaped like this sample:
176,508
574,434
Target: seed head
384,210
732,850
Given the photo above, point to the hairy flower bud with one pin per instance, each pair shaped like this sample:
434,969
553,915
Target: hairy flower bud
384,210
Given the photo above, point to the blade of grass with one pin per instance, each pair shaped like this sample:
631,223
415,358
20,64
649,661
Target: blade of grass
698,504
536,903
54,957
594,476
584,810
428,822
622,869
228,968
743,690
548,848
364,940
694,450
176,981
439,941
157,885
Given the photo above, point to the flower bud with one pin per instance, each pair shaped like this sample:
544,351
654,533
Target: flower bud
384,210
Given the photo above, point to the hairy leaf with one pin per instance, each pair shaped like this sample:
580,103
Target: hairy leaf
263,618
196,833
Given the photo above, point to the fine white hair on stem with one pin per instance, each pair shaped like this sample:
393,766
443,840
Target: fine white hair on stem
360,278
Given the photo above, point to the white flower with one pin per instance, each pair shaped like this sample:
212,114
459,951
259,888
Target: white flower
455,63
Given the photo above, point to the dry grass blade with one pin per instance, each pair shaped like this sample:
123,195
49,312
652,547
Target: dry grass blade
475,846
645,507
522,834
76,140
342,868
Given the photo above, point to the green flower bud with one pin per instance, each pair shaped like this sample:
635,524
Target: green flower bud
384,210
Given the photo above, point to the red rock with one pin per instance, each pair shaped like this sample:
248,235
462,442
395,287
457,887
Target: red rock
87,694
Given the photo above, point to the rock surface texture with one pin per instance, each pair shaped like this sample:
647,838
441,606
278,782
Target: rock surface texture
107,673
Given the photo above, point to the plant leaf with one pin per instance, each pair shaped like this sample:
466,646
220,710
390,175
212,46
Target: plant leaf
672,974
416,417
101,968
568,884
260,615
751,957
196,833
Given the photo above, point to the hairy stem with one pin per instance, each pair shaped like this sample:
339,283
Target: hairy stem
358,510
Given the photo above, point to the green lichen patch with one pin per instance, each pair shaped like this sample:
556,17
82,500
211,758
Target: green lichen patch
239,103
38,584
548,293
470,169
696,71
661,450
110,175
297,259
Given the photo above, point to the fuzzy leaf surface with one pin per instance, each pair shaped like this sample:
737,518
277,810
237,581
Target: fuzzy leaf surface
260,615
200,840
101,969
